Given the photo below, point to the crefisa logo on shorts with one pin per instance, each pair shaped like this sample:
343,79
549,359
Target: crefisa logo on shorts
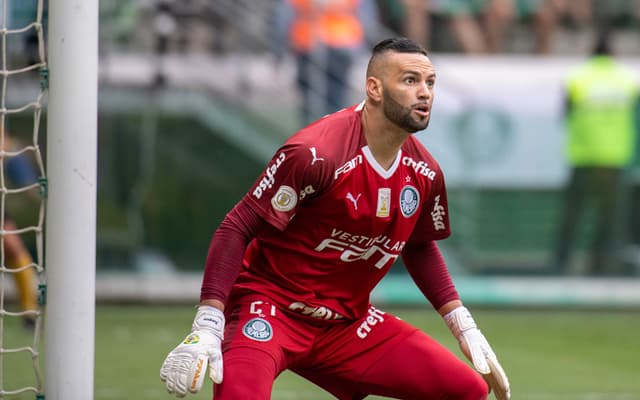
258,329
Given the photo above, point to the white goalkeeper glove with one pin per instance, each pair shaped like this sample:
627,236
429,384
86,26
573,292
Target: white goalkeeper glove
184,368
475,346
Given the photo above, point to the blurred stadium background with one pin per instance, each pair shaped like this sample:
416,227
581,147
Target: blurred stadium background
188,119
196,95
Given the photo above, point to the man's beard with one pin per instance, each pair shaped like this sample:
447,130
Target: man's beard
401,116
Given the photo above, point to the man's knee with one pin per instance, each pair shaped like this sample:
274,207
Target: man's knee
471,386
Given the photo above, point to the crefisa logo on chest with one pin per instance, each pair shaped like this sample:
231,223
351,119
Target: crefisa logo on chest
409,200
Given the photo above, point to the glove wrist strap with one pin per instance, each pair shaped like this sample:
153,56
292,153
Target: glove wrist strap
459,320
209,319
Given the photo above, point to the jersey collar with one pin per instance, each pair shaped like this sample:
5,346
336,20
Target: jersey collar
385,173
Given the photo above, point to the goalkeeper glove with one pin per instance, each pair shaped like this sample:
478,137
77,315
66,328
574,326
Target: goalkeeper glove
475,346
184,368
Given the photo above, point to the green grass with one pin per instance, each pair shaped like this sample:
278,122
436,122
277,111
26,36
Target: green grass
548,355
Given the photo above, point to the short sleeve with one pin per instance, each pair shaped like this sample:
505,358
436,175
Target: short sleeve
290,179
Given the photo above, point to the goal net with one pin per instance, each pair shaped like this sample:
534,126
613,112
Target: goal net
23,187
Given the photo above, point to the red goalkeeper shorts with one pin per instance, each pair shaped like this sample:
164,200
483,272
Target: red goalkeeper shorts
378,354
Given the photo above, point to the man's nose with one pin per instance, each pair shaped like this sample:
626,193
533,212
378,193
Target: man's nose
424,91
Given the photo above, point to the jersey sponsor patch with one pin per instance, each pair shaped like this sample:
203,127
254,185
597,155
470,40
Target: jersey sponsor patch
285,199
319,312
409,200
420,167
373,318
308,190
358,247
258,329
351,164
437,215
384,202
268,179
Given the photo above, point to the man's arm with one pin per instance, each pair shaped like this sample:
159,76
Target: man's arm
448,307
429,271
213,303
224,259
184,368
477,349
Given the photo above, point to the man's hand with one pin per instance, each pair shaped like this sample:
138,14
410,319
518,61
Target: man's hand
184,368
475,346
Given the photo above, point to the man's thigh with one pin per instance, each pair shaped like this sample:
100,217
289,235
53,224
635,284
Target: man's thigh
260,342
383,355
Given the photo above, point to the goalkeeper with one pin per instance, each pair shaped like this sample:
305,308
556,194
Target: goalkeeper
290,270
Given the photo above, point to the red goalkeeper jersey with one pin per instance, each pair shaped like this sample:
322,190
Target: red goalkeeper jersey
339,219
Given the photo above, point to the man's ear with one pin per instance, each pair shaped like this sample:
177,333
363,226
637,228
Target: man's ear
374,89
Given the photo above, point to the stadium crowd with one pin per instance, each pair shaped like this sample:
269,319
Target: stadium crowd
471,26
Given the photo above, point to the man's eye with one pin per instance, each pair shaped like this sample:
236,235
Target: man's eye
409,81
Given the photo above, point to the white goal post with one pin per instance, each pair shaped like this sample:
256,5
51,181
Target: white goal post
71,204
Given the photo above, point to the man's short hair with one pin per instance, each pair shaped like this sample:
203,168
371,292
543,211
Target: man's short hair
397,45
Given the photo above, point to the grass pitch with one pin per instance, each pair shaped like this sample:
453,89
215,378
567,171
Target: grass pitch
548,354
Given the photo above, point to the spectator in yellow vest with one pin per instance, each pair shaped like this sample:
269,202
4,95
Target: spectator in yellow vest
601,115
